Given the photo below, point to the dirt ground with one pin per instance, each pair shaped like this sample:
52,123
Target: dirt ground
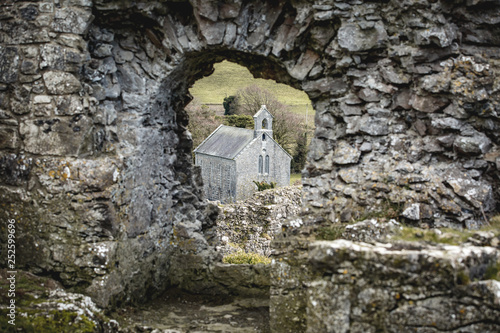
176,311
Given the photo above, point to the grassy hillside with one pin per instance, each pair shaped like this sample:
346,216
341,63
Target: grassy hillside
228,77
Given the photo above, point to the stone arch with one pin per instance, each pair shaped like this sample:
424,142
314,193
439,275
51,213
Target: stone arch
104,156
264,124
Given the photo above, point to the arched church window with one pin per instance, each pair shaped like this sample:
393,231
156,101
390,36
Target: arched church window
260,164
267,164
263,137
264,124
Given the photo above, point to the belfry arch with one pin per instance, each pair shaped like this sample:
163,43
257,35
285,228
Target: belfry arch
99,146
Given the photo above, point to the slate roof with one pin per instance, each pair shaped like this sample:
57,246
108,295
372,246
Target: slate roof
226,141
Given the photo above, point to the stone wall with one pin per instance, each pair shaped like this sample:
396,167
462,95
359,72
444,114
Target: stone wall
250,225
402,288
95,160
219,177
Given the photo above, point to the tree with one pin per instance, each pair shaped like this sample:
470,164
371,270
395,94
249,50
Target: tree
286,124
239,120
300,153
202,121
249,99
286,128
229,105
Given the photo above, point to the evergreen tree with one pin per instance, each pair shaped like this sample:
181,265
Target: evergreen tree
300,154
239,120
229,105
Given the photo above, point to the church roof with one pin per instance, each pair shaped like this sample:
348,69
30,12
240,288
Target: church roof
226,141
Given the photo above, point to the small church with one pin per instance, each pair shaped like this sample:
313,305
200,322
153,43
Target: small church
231,158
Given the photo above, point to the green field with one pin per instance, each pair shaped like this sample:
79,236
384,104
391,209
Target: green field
229,77
295,177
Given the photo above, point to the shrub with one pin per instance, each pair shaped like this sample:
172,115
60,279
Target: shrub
330,233
241,121
241,257
262,186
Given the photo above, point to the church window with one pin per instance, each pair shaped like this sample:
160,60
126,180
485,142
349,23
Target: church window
263,137
264,124
267,164
260,164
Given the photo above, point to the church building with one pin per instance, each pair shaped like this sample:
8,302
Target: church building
231,158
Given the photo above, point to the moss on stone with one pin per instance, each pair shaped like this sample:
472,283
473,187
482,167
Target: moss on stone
241,257
463,278
330,233
32,321
445,236
494,224
493,272
386,210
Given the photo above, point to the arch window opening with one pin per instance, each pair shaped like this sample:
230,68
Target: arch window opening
233,118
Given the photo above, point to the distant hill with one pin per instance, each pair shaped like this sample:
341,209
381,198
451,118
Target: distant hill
229,77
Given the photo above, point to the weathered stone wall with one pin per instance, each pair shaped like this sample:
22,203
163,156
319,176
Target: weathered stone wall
99,179
402,288
250,225
95,157
219,177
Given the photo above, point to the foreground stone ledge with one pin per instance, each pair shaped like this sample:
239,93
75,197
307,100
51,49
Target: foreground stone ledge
244,280
43,305
403,287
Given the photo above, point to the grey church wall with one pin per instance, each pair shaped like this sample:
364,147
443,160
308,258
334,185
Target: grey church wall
247,167
219,177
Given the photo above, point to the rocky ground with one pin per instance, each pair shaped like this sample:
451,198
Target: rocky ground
43,305
177,312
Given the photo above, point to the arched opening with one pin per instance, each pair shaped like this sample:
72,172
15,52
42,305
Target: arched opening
293,123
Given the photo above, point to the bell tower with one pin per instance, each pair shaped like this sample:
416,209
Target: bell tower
263,123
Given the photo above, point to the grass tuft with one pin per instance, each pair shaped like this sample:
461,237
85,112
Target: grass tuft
447,236
241,258
330,233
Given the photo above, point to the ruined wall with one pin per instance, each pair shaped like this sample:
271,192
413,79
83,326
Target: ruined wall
250,225
360,287
95,160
